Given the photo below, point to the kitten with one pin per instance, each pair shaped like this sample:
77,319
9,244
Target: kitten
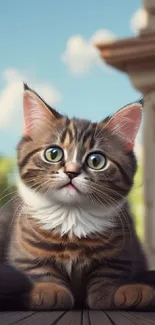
74,236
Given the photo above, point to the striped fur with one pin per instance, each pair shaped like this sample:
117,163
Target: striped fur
75,239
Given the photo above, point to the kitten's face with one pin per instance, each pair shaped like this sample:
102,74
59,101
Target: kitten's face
75,161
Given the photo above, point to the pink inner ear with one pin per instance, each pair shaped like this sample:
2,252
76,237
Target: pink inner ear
36,114
125,123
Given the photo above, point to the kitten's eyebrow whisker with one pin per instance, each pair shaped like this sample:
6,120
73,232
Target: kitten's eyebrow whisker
99,132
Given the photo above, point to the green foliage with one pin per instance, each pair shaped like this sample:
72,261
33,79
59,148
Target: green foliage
137,201
7,186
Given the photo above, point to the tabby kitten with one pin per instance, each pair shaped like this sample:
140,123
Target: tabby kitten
74,236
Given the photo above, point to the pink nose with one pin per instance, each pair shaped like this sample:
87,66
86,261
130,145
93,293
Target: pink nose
72,170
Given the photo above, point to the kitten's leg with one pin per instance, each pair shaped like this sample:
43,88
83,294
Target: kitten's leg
50,291
134,296
100,293
102,284
106,294
48,296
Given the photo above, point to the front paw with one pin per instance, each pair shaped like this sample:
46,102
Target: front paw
134,296
102,298
48,296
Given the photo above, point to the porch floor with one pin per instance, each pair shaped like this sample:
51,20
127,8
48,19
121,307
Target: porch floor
82,317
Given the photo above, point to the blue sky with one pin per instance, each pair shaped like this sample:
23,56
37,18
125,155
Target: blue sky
34,37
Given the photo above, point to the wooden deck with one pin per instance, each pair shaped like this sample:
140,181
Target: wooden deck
84,317
11,304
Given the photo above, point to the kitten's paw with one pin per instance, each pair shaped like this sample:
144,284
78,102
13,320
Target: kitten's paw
101,298
48,296
134,296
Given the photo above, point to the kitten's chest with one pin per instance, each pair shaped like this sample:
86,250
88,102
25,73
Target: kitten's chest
74,221
77,274
75,266
68,266
70,253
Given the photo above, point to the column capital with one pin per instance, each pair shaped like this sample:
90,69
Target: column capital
149,5
148,17
135,56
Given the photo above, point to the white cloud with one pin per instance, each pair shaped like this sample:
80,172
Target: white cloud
139,20
81,55
102,36
11,115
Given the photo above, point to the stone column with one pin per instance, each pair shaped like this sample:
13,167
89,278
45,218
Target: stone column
148,90
136,57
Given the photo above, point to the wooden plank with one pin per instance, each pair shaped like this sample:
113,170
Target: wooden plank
12,318
71,318
144,318
85,318
119,318
134,318
42,318
128,315
98,318
5,314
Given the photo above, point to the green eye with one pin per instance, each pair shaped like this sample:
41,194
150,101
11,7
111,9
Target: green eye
96,161
53,154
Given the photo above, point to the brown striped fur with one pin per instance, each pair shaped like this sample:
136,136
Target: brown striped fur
97,269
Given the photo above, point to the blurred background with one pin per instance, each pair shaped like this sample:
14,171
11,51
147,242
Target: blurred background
50,45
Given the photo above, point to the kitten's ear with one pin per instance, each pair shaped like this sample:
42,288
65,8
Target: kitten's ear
125,123
37,114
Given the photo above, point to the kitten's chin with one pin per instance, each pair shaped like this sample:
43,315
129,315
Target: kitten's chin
67,195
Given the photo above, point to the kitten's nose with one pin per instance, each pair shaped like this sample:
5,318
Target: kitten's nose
72,170
71,175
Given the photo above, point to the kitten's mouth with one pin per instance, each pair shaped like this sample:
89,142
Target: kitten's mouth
70,186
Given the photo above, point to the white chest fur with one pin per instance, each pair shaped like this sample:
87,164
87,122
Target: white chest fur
67,219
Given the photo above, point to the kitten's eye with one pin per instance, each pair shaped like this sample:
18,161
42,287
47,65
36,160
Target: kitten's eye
53,154
96,161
